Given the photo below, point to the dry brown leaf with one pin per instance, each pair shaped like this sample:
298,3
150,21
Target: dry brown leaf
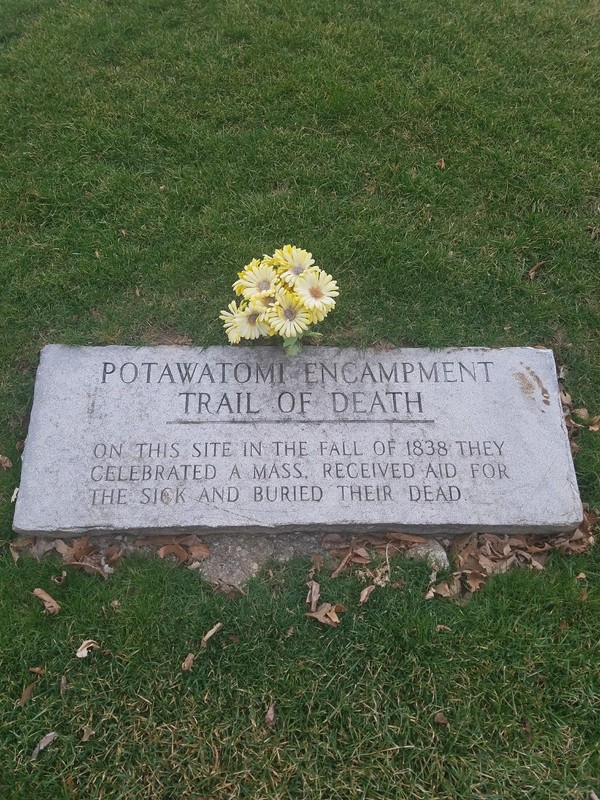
59,579
582,413
440,718
188,662
26,694
327,614
365,594
82,548
85,647
50,605
450,588
87,733
317,565
43,743
440,164
173,550
312,598
113,554
532,272
594,425
584,594
409,538
40,547
333,540
198,550
215,629
87,566
340,567
63,685
581,577
474,580
442,628
37,670
270,715
5,462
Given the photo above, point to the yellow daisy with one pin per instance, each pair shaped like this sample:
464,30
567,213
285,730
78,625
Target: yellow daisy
316,289
292,262
288,317
317,314
231,322
252,324
257,280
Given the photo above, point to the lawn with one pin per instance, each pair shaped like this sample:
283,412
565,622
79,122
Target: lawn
429,155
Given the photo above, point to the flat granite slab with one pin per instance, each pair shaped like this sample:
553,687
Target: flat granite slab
155,439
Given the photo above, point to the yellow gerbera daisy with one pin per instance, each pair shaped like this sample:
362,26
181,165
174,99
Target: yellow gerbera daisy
292,262
317,314
231,322
288,317
252,323
257,280
316,290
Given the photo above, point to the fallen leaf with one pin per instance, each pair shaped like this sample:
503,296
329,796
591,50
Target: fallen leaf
365,594
440,718
14,495
532,272
584,594
50,605
5,462
594,425
327,614
450,588
582,413
317,566
85,647
215,629
40,547
65,550
441,164
581,577
37,670
442,628
59,579
312,598
333,540
26,694
43,743
173,550
87,566
82,548
113,554
270,715
198,550
87,733
63,685
115,603
188,662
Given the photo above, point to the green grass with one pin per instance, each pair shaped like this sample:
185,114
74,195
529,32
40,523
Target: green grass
149,150
518,681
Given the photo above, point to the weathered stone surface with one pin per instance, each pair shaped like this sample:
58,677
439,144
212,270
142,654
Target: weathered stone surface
226,439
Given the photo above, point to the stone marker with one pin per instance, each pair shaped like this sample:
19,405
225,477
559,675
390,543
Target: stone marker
225,439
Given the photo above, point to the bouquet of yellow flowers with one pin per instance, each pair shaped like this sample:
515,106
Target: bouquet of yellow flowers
283,294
